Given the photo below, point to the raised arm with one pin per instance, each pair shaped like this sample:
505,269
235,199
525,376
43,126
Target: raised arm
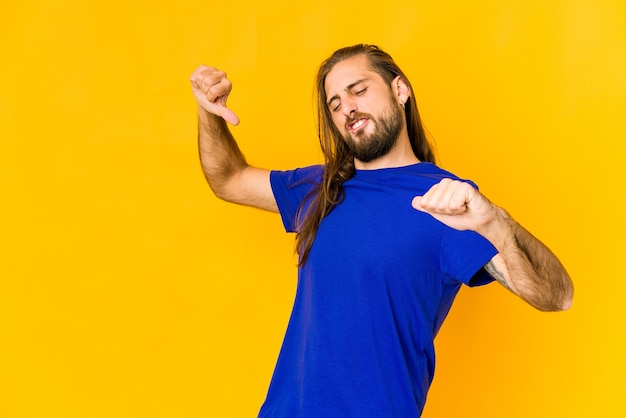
524,265
231,178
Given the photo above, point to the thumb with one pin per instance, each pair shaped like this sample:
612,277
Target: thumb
226,114
229,116
417,204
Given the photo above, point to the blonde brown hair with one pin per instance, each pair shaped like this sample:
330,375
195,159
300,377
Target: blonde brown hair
339,160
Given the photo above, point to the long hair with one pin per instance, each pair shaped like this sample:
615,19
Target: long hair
339,160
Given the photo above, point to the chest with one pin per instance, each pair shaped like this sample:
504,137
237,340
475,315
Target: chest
379,230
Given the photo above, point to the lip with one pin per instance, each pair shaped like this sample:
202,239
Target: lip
360,123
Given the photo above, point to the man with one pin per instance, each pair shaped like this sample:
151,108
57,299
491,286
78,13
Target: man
385,240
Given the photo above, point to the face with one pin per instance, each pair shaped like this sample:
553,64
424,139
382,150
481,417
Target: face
363,108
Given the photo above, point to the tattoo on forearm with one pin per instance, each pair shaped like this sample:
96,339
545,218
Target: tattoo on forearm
491,269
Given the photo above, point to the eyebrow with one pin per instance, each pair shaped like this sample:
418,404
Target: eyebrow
350,87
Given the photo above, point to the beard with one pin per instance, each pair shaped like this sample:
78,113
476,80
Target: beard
368,147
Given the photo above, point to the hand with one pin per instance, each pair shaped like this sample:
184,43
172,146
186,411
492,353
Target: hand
458,205
211,89
523,264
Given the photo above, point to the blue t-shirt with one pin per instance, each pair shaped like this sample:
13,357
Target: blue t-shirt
380,279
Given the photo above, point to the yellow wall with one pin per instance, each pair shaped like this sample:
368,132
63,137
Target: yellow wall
128,290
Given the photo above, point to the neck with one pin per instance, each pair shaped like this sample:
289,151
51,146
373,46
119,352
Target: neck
399,156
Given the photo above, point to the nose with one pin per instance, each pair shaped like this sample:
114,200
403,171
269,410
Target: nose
348,107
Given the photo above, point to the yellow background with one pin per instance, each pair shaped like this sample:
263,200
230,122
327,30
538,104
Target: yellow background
128,290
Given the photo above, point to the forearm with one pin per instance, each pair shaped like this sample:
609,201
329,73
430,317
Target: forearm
529,268
523,264
220,155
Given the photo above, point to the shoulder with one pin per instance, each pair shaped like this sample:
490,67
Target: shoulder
294,185
437,174
311,174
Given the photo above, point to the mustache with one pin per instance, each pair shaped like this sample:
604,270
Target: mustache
357,115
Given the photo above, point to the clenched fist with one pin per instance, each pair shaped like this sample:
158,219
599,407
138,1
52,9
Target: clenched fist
211,89
458,205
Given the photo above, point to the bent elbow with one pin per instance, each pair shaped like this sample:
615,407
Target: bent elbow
568,295
224,193
567,303
224,184
556,303
556,306
219,192
568,300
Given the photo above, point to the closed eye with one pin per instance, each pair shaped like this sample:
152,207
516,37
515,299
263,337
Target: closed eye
355,89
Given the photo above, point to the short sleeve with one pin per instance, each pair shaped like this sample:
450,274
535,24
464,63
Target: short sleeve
463,255
290,188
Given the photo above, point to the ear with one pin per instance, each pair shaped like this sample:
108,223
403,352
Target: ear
400,90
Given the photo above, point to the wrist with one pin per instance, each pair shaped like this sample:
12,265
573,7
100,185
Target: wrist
500,231
210,122
205,115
